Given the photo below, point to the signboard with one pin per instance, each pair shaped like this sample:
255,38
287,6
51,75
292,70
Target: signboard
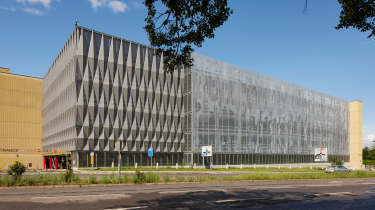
321,154
207,151
150,152
92,158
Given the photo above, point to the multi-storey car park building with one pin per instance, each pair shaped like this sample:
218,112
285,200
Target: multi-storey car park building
103,94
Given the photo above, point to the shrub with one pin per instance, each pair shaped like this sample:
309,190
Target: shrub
54,180
5,181
104,180
152,178
124,179
112,179
92,179
166,178
44,179
32,180
180,179
16,170
68,176
139,177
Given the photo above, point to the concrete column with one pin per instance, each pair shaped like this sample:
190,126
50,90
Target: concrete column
355,129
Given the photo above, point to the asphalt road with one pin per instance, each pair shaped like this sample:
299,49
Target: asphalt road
292,194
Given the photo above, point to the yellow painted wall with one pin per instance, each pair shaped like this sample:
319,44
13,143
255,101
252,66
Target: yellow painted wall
355,134
20,120
4,70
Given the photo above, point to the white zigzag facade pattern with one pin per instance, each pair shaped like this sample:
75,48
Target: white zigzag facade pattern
101,89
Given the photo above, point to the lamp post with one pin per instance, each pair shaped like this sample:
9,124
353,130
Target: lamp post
119,158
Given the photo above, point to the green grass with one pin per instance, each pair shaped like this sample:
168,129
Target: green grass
151,177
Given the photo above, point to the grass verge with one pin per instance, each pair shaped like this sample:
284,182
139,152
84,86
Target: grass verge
150,177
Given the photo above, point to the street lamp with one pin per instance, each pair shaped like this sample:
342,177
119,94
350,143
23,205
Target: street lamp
119,157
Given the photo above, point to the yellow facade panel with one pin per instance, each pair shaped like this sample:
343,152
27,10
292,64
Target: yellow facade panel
355,129
20,120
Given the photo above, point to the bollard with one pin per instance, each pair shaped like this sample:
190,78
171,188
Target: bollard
157,165
135,165
226,166
279,166
310,167
176,165
195,165
290,166
241,166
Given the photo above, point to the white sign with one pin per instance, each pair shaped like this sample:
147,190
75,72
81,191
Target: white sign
207,151
321,154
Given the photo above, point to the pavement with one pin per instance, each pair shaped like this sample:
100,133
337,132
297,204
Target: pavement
286,194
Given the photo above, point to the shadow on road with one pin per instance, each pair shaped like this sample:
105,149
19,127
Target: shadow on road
219,199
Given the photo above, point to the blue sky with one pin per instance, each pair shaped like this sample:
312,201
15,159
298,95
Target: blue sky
275,38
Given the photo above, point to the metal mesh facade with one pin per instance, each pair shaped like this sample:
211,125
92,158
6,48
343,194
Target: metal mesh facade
250,118
102,90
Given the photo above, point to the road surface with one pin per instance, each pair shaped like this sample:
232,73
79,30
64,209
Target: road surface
289,194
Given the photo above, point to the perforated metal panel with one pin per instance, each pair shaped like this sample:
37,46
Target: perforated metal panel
242,112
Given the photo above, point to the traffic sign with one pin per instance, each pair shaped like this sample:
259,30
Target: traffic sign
207,151
150,152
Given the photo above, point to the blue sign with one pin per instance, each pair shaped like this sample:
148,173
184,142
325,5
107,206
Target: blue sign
204,154
150,152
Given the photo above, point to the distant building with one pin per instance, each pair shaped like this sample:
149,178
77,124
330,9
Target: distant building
20,120
103,94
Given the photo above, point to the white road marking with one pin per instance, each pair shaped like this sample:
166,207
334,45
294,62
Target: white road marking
129,208
276,187
229,201
181,191
317,185
334,193
335,182
77,198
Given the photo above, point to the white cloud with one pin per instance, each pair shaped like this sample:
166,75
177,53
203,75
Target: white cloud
367,131
117,6
97,3
45,3
138,5
33,11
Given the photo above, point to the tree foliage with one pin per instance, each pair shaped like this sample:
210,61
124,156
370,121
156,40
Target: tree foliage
174,26
368,153
359,14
